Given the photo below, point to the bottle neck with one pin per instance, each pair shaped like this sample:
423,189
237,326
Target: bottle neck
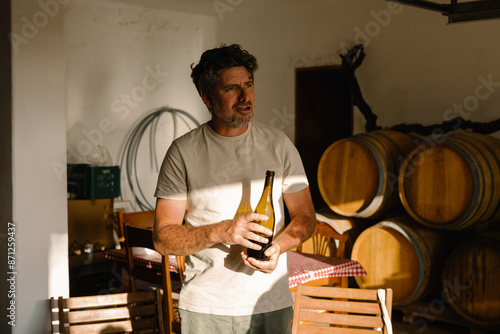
268,185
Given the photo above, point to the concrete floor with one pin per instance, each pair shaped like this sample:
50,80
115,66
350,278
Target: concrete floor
433,326
423,326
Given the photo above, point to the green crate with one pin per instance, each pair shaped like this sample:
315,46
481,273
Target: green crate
87,182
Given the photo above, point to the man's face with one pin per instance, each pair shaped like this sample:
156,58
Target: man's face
232,102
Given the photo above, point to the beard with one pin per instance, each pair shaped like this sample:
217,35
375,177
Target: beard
234,119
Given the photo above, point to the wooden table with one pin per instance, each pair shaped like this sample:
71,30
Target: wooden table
302,268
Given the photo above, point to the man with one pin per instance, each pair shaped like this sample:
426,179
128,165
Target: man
202,181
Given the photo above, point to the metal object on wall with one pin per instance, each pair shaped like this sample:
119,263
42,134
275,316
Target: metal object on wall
460,11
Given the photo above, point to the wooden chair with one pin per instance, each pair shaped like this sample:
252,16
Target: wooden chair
137,312
340,310
143,237
137,231
144,219
139,218
323,243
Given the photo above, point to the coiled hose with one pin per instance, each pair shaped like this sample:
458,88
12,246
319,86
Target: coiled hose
128,155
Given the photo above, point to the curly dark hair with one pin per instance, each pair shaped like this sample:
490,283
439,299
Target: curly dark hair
214,61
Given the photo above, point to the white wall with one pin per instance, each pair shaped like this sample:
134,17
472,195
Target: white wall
416,66
112,51
39,151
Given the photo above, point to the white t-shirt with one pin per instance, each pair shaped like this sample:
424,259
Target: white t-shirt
208,170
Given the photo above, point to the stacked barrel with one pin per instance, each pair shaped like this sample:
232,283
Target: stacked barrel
424,215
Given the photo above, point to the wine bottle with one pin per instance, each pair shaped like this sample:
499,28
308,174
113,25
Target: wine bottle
265,207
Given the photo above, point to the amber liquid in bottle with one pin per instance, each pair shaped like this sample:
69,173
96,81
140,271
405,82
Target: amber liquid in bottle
265,207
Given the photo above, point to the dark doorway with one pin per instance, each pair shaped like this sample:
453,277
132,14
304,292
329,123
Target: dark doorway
324,115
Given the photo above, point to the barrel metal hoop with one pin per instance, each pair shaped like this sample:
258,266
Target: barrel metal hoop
479,195
422,260
382,165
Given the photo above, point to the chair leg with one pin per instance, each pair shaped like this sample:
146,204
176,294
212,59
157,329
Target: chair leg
167,294
132,282
126,280
167,316
345,282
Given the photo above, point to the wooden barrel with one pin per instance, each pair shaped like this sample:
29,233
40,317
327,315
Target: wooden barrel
357,176
452,184
470,279
351,226
402,255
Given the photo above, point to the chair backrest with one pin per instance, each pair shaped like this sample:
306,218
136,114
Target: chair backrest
139,218
140,312
143,237
138,233
137,228
320,309
323,242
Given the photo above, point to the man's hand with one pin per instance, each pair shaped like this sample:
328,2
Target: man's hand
273,252
244,229
172,237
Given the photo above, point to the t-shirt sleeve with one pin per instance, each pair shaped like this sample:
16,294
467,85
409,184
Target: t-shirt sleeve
294,177
172,177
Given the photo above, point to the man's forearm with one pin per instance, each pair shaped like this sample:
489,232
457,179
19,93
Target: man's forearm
177,239
300,228
173,239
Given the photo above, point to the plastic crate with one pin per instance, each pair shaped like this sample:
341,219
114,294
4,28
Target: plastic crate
87,182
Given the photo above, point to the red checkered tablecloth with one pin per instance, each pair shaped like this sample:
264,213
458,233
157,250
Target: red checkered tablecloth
304,268
151,261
